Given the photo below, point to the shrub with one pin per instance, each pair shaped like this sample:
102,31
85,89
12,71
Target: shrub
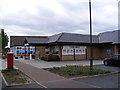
50,57
4,55
53,57
8,70
44,58
56,58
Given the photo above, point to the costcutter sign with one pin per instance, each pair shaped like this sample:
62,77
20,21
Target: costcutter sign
69,50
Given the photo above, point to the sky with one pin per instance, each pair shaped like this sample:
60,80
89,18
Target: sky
49,17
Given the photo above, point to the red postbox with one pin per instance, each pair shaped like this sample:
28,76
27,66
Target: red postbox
10,60
26,56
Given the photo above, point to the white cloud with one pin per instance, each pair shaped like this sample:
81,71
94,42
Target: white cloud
46,17
80,31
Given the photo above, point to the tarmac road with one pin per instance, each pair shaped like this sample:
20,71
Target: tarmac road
104,81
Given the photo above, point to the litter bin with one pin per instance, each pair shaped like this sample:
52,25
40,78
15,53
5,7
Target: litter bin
10,60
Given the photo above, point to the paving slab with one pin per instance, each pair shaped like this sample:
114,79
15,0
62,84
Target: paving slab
3,64
37,74
45,64
48,79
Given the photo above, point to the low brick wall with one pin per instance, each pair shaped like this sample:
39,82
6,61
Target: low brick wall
71,57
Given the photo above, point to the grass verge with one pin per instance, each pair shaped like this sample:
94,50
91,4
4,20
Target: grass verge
76,71
14,77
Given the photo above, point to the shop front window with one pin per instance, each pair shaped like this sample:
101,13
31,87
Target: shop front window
18,53
55,50
47,50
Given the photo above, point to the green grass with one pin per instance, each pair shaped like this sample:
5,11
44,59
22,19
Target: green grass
13,76
72,71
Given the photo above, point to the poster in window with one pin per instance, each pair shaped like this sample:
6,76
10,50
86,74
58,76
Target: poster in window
69,50
109,51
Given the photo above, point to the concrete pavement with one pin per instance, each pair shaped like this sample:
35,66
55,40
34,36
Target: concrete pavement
48,79
103,81
44,64
3,64
110,68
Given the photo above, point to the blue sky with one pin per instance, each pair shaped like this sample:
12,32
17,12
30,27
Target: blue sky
48,17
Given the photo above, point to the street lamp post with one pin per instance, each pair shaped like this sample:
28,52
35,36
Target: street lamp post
25,51
91,55
26,45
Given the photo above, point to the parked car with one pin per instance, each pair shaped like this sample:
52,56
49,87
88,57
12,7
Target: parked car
114,60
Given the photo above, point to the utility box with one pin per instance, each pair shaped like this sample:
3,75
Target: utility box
10,60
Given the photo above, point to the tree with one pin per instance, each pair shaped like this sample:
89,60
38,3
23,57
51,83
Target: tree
0,41
5,39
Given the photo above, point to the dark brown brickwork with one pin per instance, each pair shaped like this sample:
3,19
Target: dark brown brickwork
99,52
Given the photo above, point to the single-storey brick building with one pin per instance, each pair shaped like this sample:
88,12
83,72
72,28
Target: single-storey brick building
69,46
